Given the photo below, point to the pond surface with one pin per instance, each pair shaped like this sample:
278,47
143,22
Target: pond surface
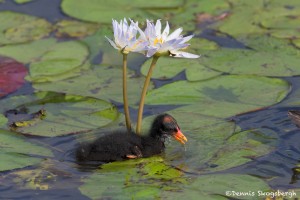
231,103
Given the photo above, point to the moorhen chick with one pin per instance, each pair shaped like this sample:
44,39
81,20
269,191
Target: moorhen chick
122,145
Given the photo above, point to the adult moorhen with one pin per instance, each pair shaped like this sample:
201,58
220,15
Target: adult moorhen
122,145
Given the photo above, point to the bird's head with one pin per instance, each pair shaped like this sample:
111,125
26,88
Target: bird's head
165,125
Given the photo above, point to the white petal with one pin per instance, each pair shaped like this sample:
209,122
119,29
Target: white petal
166,31
180,45
158,28
187,38
175,34
182,54
151,52
112,43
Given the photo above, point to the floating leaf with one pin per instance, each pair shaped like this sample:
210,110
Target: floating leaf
199,44
220,187
103,11
144,179
59,62
77,29
17,153
169,67
33,50
24,119
17,27
268,57
133,179
243,20
3,121
12,75
101,82
65,114
186,18
22,1
297,42
222,96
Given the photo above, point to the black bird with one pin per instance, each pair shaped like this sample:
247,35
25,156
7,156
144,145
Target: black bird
122,145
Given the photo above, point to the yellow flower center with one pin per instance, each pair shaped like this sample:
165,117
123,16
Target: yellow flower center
158,40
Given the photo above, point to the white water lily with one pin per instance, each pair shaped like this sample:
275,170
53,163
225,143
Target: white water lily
161,43
125,37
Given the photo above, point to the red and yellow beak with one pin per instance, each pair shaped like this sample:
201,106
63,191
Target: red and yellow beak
180,137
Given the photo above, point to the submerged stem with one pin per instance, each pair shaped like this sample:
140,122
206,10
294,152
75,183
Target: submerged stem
143,95
125,101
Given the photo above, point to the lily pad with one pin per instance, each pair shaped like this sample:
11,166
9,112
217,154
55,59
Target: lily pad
243,20
75,29
64,114
297,42
102,11
169,67
12,75
18,28
33,50
216,97
101,82
152,178
267,57
62,58
199,44
133,179
3,121
22,1
220,187
16,152
186,18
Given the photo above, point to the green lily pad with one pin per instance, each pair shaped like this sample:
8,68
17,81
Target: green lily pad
243,20
216,97
18,28
101,82
16,152
285,33
64,114
75,29
33,50
103,11
133,179
169,67
220,187
59,60
3,121
199,44
297,42
22,1
186,18
152,178
267,57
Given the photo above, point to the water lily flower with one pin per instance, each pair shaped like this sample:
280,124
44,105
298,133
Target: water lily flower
125,37
161,43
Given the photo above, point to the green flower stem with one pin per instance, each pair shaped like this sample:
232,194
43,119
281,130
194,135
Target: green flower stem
125,101
143,95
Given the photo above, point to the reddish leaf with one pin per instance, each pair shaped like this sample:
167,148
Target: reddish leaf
12,75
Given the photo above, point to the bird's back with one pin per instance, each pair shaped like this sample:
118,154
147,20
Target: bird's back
111,147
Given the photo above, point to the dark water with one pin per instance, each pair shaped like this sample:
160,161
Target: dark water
279,163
